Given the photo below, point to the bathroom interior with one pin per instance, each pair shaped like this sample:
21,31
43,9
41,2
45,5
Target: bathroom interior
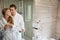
41,17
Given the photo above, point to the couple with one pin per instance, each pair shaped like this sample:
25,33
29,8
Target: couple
11,24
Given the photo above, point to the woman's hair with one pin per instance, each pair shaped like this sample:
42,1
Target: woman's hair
4,11
10,20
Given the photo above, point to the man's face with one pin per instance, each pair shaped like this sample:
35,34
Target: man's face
13,10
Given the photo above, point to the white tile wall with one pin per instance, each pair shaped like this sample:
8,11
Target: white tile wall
1,6
46,12
58,24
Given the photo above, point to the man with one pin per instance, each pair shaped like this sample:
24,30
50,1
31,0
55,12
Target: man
18,22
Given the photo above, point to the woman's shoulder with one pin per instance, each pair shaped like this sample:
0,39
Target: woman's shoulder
0,20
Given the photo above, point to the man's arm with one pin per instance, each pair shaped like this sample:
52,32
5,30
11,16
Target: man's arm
22,25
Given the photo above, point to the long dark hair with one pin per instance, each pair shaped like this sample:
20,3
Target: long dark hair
4,11
10,20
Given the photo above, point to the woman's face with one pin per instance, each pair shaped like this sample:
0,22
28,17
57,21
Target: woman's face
8,13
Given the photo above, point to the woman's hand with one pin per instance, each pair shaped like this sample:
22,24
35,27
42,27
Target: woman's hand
7,27
10,25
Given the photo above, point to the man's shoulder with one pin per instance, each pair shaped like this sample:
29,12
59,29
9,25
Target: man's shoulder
19,15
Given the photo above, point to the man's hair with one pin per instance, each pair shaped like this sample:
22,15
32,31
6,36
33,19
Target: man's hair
13,5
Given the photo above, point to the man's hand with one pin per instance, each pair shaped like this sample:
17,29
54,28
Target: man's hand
21,30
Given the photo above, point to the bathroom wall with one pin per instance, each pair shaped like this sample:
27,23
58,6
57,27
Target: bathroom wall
45,11
1,7
58,23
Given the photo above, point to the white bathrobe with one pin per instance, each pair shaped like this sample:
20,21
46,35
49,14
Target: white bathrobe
8,34
19,24
14,33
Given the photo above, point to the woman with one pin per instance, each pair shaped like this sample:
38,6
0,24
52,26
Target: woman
6,25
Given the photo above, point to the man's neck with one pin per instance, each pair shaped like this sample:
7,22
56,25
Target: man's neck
14,15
